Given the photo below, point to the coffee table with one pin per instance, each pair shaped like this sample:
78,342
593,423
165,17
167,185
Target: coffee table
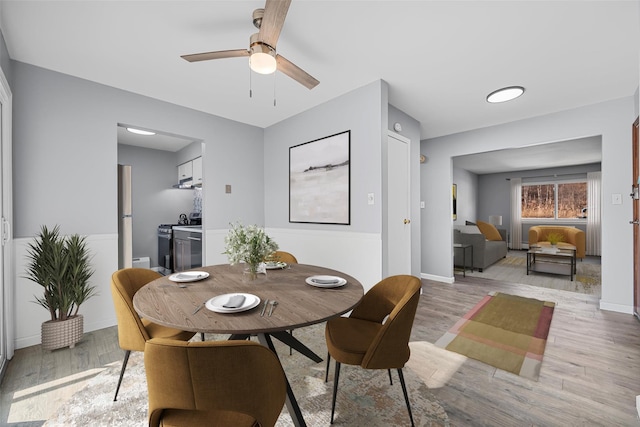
544,258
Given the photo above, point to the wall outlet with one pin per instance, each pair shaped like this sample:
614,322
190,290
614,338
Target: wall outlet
370,199
421,204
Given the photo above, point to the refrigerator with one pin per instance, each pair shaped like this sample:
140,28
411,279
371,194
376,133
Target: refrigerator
125,218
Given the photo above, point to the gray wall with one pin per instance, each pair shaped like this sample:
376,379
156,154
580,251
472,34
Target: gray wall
5,61
366,113
358,111
154,200
65,153
467,191
611,120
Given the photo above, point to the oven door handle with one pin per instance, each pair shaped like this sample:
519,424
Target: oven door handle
164,236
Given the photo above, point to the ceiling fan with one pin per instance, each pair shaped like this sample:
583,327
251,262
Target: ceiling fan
262,54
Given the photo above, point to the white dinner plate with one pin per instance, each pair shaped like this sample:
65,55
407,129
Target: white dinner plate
188,276
275,265
217,303
326,281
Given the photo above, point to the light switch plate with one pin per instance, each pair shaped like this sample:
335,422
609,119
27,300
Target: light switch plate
370,198
616,199
227,189
422,205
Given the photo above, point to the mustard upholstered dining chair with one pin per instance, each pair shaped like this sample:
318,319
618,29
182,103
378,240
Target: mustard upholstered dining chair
282,256
213,383
133,331
376,334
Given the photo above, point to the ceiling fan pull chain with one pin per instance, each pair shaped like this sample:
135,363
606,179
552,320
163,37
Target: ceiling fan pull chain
274,89
250,86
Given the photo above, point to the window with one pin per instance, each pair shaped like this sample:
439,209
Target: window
566,200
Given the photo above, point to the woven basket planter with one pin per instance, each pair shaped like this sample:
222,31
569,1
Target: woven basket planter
59,334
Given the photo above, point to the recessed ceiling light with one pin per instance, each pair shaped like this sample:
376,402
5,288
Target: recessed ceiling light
505,94
140,131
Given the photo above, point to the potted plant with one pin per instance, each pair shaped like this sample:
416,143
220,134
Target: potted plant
250,245
61,265
554,238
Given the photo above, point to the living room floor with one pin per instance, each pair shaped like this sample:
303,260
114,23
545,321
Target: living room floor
590,372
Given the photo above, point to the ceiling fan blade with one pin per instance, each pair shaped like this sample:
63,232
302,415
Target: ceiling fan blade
296,73
275,11
195,57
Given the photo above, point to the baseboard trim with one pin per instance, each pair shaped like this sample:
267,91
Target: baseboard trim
619,308
449,280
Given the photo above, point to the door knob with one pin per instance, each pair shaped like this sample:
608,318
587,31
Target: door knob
407,221
634,222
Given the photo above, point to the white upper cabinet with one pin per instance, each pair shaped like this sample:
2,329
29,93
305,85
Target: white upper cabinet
197,171
185,173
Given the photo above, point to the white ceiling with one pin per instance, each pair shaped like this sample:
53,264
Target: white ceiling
440,58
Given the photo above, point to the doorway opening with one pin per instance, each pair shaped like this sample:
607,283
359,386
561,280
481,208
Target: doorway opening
160,194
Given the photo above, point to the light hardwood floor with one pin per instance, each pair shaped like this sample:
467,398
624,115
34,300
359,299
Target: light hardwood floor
590,373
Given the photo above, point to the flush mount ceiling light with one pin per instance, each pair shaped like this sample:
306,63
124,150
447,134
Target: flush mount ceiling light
140,131
505,94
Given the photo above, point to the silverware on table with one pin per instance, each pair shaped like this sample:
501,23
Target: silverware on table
199,307
264,307
273,304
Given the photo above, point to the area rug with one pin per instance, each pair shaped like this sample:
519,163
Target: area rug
505,331
513,269
365,397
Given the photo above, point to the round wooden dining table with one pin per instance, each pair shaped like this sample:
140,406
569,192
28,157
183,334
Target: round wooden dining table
183,306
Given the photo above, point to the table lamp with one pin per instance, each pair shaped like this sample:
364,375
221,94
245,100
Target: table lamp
495,219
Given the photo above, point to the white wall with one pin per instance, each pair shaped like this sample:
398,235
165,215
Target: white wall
612,120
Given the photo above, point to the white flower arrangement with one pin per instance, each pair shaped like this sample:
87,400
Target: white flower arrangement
248,244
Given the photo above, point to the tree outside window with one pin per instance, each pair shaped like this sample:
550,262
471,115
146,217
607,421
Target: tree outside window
554,201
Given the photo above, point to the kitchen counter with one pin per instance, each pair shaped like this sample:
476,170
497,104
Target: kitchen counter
191,228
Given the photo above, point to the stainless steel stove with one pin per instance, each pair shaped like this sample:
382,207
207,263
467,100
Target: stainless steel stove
165,248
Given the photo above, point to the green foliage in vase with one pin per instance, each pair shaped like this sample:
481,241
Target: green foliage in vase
248,244
554,238
62,266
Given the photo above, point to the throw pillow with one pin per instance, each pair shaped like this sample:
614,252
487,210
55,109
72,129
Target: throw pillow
489,230
469,223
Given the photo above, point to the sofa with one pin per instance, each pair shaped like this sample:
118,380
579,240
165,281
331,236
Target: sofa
485,252
572,235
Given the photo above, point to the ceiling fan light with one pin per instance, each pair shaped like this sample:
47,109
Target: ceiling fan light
262,63
263,57
505,94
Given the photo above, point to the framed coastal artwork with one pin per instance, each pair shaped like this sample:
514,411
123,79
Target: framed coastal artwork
320,180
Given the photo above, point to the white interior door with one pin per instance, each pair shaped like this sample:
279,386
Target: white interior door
6,222
398,206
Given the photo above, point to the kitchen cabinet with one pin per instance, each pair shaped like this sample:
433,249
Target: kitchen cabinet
187,248
197,171
190,173
185,173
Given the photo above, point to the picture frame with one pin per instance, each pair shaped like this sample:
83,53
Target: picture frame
320,180
454,201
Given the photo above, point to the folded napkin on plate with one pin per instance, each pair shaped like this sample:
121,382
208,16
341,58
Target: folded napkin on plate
235,301
186,276
325,281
